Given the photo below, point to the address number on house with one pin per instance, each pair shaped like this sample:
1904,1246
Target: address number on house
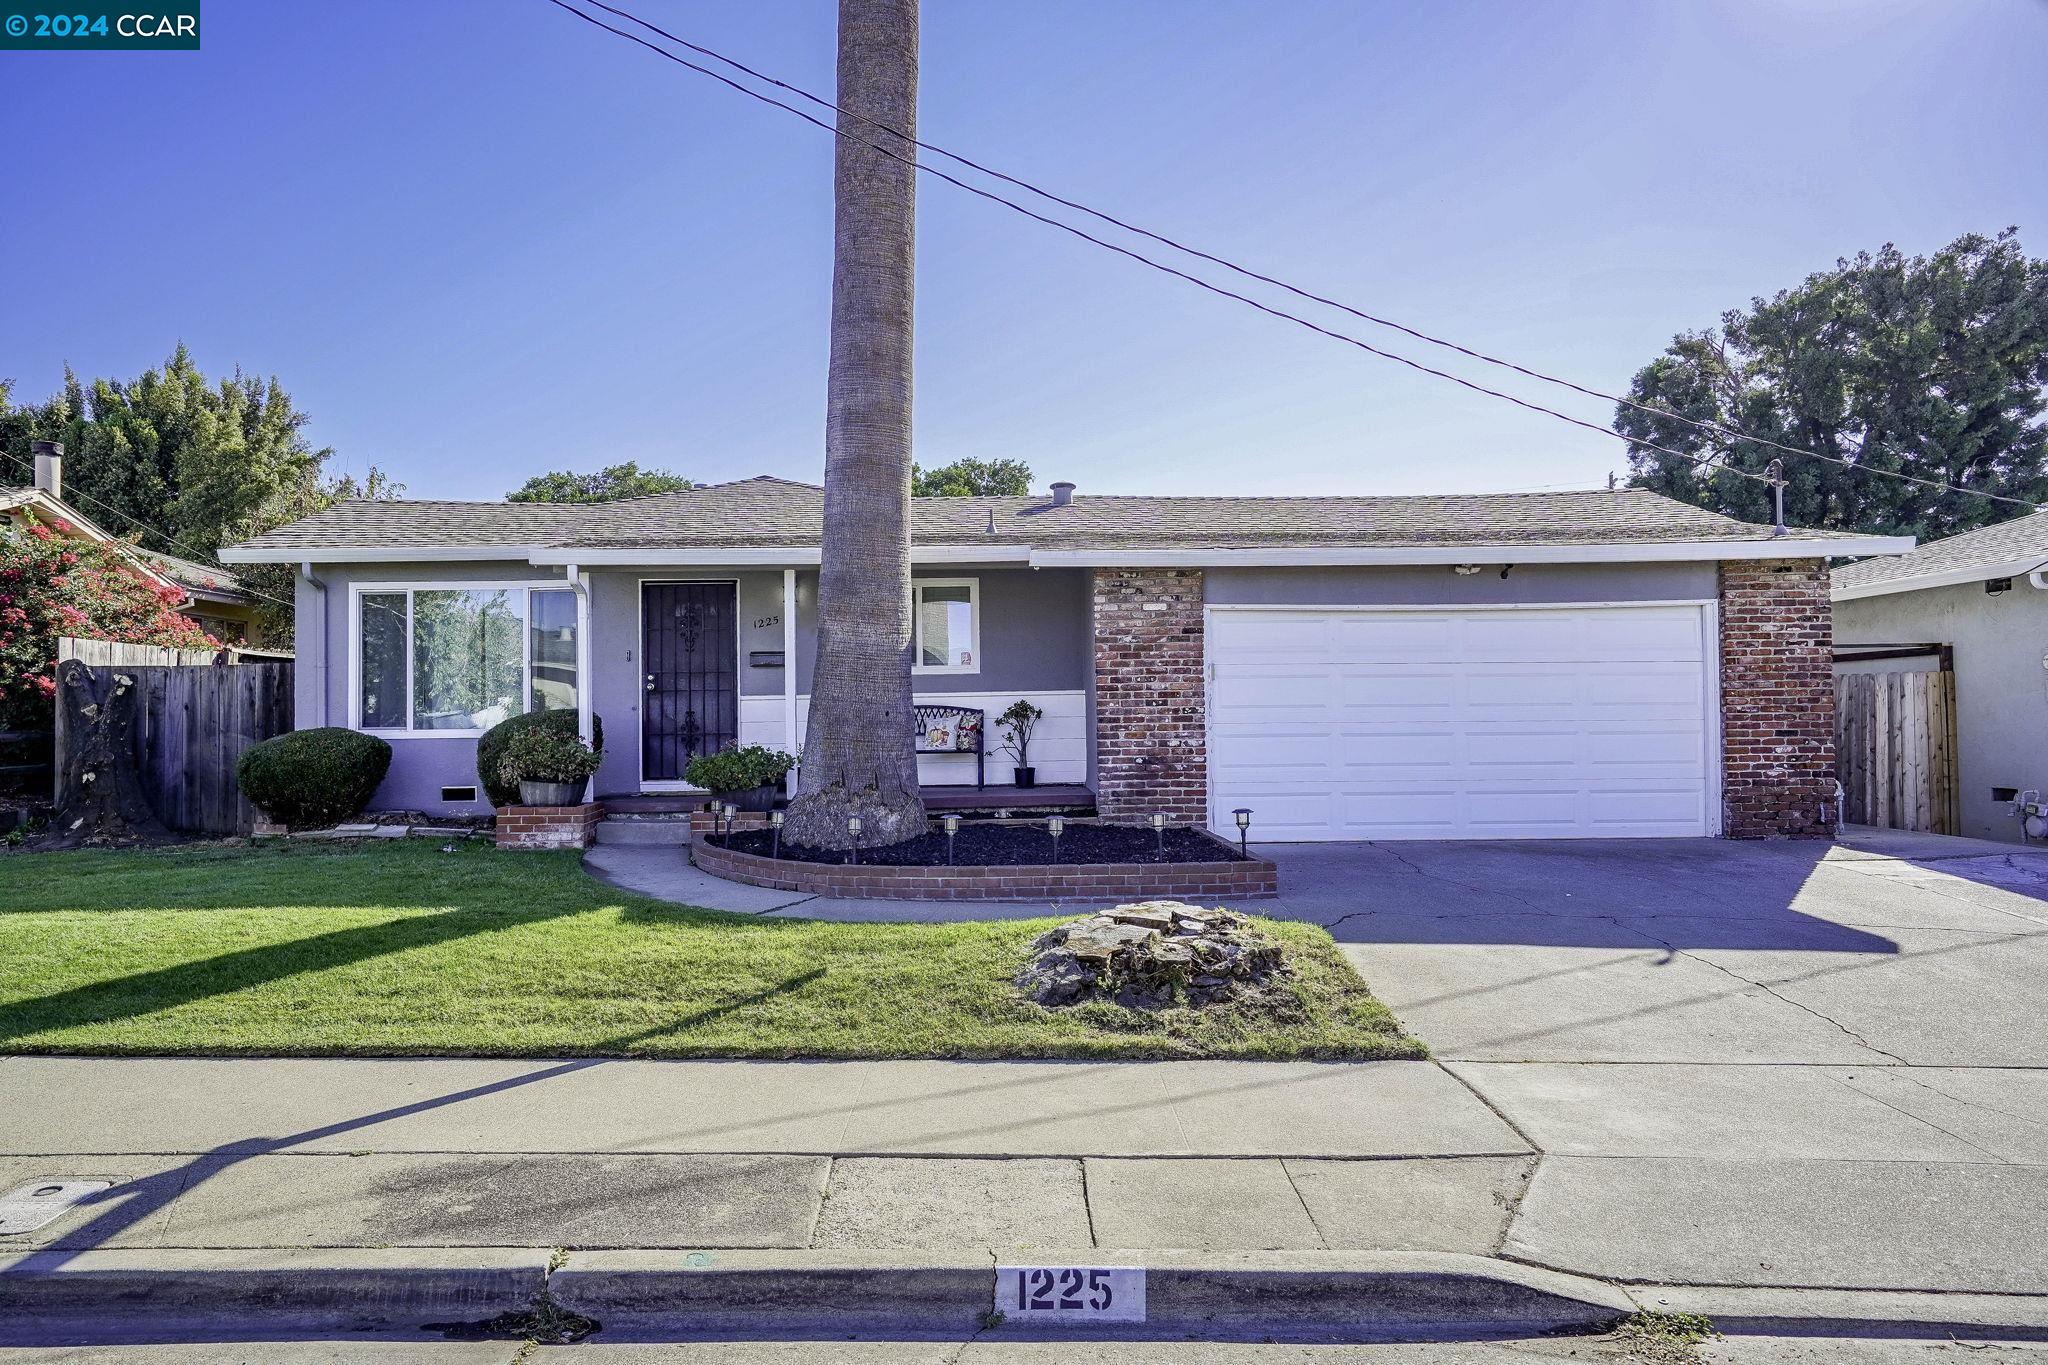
1063,1293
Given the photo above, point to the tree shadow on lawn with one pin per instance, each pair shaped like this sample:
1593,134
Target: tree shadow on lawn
134,1202
440,913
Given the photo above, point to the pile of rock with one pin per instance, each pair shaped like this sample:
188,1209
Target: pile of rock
1151,955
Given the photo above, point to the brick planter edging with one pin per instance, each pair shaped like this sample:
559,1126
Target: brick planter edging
1255,879
548,827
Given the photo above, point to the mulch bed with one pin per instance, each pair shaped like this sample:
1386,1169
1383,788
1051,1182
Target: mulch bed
1001,845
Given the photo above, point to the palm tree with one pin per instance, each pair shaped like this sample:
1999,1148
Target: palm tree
859,758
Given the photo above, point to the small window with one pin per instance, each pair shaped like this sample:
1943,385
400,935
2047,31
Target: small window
946,614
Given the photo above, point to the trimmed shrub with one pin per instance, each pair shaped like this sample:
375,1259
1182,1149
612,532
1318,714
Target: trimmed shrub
310,778
490,748
539,753
738,769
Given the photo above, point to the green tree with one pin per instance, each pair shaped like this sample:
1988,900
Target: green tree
972,479
1933,366
609,484
185,465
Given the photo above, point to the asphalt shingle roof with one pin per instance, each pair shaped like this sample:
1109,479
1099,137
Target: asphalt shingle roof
769,512
1988,548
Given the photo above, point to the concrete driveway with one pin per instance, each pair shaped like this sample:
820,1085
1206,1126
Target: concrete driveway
1762,1064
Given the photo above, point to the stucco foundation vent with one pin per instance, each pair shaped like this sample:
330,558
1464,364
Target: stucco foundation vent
458,793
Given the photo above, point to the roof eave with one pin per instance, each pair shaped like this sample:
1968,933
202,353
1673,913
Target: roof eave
1950,578
1604,552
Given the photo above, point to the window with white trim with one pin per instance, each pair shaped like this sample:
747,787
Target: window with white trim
946,615
458,659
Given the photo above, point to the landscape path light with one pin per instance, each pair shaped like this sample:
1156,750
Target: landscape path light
853,828
952,824
775,831
1244,822
1055,826
1159,831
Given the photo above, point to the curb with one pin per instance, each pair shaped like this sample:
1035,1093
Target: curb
1339,1296
373,1287
1851,1312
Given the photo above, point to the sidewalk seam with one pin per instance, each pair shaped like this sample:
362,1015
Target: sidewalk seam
1287,1169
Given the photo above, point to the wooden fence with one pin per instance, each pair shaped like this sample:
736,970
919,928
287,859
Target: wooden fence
1895,750
192,722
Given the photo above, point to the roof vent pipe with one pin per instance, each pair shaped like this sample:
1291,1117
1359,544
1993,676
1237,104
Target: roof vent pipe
49,466
1062,494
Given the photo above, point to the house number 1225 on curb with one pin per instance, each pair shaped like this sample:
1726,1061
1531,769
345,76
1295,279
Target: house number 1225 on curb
1061,1293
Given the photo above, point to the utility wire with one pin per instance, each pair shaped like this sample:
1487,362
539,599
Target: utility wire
1700,462
147,529
1717,428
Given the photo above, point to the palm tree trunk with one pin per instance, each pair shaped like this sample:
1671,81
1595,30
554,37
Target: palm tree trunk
859,758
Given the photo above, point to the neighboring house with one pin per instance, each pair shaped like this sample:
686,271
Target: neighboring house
211,596
1595,664
1983,597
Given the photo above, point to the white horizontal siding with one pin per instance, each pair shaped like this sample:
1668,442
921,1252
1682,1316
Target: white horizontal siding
1059,748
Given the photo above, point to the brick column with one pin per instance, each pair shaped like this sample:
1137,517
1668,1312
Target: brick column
1777,699
1151,749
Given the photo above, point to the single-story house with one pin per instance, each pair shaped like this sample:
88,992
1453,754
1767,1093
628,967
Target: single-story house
1582,665
210,596
1976,603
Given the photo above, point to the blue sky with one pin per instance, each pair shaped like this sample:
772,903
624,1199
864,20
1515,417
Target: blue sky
482,240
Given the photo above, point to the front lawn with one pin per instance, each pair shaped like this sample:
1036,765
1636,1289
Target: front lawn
396,948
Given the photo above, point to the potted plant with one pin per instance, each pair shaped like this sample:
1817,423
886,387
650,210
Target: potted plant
549,767
748,777
1017,724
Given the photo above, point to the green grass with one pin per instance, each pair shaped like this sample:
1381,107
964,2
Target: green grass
391,949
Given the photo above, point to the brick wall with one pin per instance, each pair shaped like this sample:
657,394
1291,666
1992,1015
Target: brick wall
548,827
1151,751
1777,699
1228,879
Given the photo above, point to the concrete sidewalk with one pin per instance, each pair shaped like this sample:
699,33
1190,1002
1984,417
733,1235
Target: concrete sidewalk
1763,1177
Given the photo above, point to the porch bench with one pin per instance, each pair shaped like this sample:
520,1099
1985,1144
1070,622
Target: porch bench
952,730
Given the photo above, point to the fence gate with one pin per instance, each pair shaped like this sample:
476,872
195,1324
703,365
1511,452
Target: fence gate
1895,749
192,723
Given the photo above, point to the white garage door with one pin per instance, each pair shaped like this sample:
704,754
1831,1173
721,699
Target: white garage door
1567,722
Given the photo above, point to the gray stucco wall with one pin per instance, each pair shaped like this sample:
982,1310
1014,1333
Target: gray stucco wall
1437,585
2001,685
1034,637
421,766
1034,630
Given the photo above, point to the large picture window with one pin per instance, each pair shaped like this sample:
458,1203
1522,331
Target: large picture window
459,659
946,615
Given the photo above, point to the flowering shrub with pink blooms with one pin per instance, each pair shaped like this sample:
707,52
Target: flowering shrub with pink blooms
54,584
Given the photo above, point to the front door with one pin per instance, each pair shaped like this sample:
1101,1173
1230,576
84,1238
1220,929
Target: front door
689,652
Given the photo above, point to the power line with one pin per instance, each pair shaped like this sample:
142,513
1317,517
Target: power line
1717,428
1142,259
147,529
